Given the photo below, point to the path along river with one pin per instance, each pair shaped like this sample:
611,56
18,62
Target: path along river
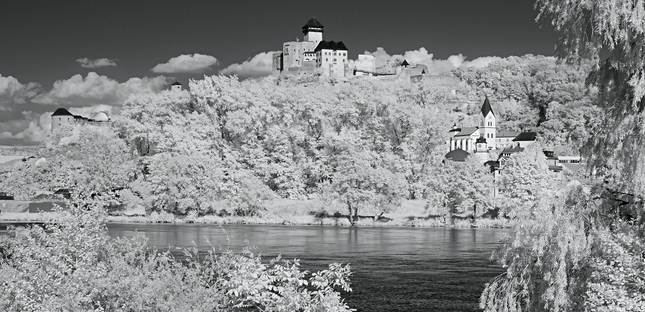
394,268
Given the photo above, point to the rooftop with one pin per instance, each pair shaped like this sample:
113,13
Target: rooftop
526,136
457,155
62,112
486,107
330,45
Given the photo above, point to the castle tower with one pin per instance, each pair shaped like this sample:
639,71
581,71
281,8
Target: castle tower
313,31
176,86
481,149
60,118
488,125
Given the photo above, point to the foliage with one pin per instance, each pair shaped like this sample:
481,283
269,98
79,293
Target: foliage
586,252
523,179
72,265
462,187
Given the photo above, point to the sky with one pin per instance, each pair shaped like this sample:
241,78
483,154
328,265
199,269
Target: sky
89,56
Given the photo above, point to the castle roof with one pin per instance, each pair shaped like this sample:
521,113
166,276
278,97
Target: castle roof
330,45
526,136
176,83
62,112
486,108
405,63
313,22
457,155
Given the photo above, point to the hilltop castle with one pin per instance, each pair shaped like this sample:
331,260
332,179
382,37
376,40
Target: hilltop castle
313,54
62,117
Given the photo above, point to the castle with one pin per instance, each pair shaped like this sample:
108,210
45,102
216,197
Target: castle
62,117
313,54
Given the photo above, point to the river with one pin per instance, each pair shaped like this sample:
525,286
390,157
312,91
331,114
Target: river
394,268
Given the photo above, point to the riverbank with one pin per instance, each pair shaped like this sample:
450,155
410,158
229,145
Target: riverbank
412,213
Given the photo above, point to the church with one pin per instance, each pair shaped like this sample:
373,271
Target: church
482,139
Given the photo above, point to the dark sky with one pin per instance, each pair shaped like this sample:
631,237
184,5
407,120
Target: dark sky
41,41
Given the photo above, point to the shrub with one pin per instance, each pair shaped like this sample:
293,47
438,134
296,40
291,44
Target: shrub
73,265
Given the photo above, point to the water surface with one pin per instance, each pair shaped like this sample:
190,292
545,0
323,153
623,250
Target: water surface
394,269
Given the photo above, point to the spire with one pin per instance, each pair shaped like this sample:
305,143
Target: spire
486,107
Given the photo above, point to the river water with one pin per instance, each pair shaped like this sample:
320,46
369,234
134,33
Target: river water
394,269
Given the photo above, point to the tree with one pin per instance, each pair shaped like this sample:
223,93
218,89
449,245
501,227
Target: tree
522,180
586,252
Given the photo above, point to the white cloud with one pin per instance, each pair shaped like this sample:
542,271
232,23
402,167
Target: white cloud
435,66
96,89
481,61
14,92
102,62
257,66
186,63
35,127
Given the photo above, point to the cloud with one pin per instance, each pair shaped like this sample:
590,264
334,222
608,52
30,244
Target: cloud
102,62
35,127
13,92
257,66
186,63
482,61
420,56
32,129
96,89
435,66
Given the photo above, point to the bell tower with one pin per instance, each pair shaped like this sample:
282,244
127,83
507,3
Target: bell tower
488,125
313,31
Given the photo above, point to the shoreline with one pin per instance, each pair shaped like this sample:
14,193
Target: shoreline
391,221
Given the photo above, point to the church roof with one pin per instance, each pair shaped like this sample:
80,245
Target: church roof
62,112
526,136
457,155
313,22
486,107
454,128
467,131
507,134
330,45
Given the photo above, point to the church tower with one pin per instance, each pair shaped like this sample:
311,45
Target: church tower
313,31
488,125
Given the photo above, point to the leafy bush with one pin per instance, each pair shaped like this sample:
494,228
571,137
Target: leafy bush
73,265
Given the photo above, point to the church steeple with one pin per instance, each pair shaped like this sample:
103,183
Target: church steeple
488,125
486,108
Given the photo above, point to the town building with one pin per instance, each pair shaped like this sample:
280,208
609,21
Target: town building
62,117
485,137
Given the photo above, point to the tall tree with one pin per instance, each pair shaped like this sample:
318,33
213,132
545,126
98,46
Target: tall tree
586,252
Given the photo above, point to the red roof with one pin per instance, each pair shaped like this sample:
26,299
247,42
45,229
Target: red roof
330,45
